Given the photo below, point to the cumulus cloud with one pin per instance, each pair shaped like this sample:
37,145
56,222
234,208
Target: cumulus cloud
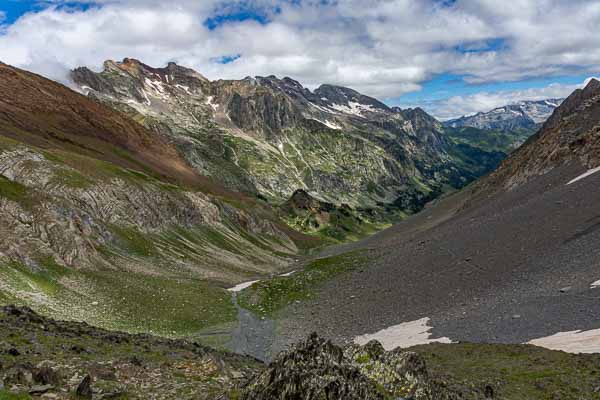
384,48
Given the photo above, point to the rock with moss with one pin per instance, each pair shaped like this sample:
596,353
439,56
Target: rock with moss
316,369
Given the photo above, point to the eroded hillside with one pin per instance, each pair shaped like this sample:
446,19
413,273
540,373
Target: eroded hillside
101,220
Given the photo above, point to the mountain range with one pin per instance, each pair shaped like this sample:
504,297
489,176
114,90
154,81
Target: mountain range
268,137
172,177
525,115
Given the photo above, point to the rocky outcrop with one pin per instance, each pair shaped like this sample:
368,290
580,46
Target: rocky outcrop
308,214
318,370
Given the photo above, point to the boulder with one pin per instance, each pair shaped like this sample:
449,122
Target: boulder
84,390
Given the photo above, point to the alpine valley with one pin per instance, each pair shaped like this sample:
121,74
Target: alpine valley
153,222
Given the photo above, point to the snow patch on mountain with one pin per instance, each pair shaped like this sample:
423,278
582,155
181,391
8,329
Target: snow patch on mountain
353,108
584,175
329,124
571,342
403,335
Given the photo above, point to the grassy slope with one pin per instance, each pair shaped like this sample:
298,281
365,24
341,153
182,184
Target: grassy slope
141,366
489,140
514,372
133,302
266,298
171,302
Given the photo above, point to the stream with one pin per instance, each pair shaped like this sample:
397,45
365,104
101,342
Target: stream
253,335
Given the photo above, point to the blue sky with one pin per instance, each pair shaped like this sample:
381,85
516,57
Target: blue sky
448,56
447,85
13,9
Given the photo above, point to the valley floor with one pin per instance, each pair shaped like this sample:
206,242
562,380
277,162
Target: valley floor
516,267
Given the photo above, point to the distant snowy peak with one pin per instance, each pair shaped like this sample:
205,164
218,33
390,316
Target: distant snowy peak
540,111
523,115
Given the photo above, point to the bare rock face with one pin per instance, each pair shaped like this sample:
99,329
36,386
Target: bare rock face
77,214
319,370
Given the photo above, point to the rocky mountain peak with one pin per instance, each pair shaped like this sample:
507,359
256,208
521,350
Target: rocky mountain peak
577,101
346,99
418,116
286,85
169,74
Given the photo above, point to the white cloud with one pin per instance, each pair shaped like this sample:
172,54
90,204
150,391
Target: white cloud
383,48
458,106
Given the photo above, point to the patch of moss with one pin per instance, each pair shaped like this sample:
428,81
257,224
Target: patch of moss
6,298
169,306
43,279
71,178
266,298
134,242
220,240
7,143
6,395
87,169
16,192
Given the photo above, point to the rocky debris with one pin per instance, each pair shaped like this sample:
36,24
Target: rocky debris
173,369
116,365
46,375
317,369
40,389
128,366
13,352
18,374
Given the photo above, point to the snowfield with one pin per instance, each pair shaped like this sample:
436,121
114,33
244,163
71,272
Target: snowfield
406,334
